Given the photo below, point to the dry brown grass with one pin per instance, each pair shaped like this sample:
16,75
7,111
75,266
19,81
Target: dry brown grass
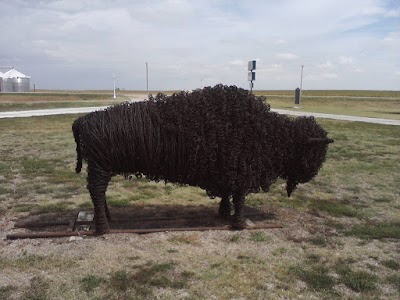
322,251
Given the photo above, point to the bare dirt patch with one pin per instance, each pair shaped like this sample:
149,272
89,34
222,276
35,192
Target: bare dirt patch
148,217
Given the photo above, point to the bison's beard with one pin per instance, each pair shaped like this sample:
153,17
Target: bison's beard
290,186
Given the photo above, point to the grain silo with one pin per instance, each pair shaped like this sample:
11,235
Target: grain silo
1,81
15,81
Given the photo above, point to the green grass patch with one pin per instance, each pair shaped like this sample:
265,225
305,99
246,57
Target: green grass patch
376,231
38,289
86,204
160,275
4,190
372,104
6,292
394,280
279,251
144,278
25,207
118,201
315,276
335,209
391,264
358,281
36,166
259,236
34,261
53,207
43,208
322,278
246,259
172,250
319,240
313,258
91,282
4,168
235,238
120,280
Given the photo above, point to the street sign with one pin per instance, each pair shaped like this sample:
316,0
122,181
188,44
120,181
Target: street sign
251,76
251,65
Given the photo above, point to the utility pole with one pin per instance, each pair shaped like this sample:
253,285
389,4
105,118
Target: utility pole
301,81
114,86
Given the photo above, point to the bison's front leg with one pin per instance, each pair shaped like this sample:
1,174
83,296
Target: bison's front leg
98,180
225,207
238,221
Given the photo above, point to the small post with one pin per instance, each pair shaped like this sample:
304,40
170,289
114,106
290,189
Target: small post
297,97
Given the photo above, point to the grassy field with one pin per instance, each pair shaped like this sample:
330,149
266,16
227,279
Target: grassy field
340,237
377,104
60,99
334,93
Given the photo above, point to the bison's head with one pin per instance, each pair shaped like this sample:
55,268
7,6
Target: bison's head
310,145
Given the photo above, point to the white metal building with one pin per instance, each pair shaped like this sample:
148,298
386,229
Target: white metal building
1,81
14,81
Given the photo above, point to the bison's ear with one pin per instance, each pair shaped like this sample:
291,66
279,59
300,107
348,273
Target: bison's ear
319,141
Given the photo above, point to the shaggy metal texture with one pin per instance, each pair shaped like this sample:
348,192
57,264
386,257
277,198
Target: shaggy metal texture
222,139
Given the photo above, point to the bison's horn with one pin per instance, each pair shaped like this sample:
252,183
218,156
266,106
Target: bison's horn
319,140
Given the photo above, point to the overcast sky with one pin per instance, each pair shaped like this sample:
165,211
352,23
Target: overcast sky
77,44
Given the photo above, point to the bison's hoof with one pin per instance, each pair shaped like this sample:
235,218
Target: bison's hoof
239,224
102,230
224,213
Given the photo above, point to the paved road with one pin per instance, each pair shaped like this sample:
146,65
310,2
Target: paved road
77,110
339,117
48,112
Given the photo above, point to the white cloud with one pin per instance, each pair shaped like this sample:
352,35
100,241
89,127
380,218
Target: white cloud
279,42
346,60
326,65
237,62
321,77
286,56
329,75
392,13
185,40
357,70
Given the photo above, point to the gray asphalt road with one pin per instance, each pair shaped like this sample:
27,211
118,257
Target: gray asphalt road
339,117
48,112
77,110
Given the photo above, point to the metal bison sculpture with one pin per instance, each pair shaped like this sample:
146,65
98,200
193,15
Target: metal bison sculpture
222,139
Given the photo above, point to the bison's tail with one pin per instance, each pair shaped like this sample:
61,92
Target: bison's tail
75,130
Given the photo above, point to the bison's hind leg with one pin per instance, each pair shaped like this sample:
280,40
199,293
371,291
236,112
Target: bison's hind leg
238,221
225,207
98,180
108,214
